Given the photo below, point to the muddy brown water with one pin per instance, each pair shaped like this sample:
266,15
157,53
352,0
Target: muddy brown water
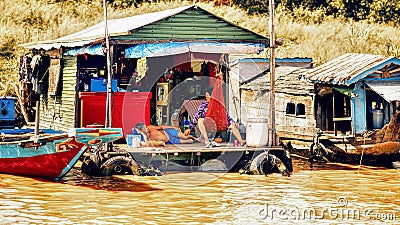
317,194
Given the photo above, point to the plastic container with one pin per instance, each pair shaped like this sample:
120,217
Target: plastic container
133,141
377,118
7,112
100,85
175,118
257,132
7,108
128,109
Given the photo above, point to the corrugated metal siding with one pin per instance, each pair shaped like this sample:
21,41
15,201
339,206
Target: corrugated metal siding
59,113
192,24
345,68
69,93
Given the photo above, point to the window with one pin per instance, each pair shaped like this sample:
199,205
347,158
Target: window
290,108
300,110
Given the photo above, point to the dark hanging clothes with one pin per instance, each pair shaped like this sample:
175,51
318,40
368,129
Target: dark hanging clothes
40,75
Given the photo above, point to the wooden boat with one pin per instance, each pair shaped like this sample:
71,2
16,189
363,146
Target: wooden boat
375,148
51,154
354,150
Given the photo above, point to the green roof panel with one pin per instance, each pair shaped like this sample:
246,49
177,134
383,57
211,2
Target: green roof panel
191,24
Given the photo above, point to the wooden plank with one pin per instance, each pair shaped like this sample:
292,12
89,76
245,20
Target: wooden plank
341,119
189,148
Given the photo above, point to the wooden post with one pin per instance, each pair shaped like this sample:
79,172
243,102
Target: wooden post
108,121
36,133
21,103
272,133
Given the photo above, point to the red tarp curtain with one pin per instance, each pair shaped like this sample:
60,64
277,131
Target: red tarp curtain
216,112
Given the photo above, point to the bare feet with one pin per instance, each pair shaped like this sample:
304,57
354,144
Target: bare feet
158,143
152,144
198,140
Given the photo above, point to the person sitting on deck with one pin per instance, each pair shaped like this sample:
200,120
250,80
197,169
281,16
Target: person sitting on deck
159,135
201,120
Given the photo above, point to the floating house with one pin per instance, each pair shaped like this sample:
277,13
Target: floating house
157,61
294,97
344,98
355,92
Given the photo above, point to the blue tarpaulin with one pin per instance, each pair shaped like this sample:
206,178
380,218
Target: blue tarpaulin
173,48
96,49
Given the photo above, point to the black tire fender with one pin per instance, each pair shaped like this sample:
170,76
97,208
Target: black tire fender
119,165
265,163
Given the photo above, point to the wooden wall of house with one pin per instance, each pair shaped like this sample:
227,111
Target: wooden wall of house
292,125
359,108
289,126
234,93
58,112
255,104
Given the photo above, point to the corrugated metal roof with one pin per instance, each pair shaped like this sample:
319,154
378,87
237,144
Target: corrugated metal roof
115,27
389,90
191,24
288,80
277,60
347,69
183,23
253,68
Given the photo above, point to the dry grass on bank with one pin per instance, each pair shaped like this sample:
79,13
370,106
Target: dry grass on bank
311,35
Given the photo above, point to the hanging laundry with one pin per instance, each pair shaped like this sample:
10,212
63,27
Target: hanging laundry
216,108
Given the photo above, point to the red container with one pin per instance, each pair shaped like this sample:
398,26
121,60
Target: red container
128,108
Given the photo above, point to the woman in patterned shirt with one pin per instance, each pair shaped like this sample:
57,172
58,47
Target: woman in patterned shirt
199,121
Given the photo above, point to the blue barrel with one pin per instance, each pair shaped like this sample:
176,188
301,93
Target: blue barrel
377,118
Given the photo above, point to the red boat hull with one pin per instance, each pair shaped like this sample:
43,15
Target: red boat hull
51,157
49,166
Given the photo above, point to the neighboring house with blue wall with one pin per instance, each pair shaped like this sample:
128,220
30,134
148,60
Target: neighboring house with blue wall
355,92
346,96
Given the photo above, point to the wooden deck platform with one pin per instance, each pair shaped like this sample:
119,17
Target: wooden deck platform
196,148
196,157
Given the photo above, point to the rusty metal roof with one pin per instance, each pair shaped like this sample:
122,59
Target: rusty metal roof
348,68
288,80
